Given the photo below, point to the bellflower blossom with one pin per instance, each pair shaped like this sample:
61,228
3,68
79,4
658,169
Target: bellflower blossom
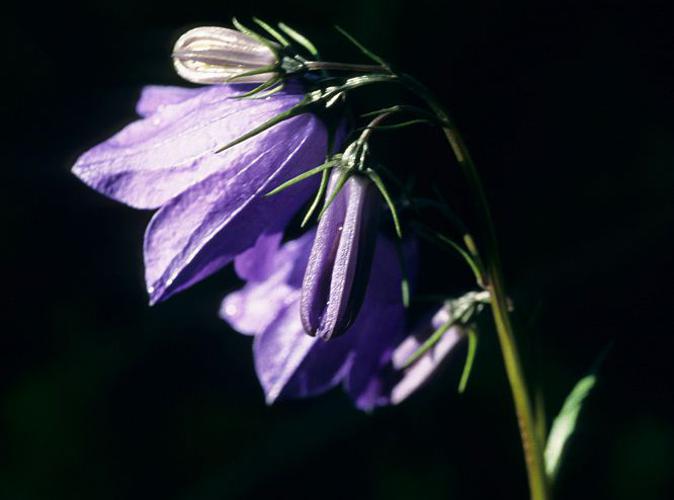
368,360
290,363
210,206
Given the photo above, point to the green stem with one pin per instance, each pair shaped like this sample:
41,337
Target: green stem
538,485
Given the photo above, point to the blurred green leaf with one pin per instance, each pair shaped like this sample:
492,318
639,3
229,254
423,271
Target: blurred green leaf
565,423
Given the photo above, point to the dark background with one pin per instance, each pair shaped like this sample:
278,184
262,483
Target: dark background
568,107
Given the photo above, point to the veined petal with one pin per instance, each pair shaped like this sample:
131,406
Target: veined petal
154,159
204,228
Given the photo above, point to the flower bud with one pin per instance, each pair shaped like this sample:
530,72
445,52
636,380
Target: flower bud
212,55
339,263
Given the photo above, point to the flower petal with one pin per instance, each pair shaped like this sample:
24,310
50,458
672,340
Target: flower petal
203,229
379,327
253,308
154,159
155,97
257,263
356,357
422,369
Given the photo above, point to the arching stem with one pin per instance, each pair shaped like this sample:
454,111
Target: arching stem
533,455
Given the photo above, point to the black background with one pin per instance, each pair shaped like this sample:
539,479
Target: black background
568,108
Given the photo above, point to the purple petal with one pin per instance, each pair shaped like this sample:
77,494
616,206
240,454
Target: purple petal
380,326
356,357
253,308
422,369
257,263
154,159
280,350
322,368
155,97
204,228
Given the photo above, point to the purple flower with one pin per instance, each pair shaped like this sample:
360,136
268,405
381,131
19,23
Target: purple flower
407,379
210,206
340,259
290,363
369,360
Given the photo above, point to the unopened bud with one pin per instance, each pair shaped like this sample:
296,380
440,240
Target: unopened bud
339,264
212,55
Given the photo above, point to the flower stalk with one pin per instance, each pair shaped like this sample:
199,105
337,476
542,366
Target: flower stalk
533,449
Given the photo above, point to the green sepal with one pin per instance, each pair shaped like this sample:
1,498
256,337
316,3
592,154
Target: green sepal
325,174
460,310
257,71
430,342
363,49
399,125
299,39
304,175
436,237
247,31
374,176
404,281
338,187
275,34
297,109
470,358
257,91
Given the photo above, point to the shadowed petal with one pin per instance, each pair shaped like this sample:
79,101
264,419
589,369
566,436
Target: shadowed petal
257,263
154,159
380,326
204,228
252,309
422,369
356,357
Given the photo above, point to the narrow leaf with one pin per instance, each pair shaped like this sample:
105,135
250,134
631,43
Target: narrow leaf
338,187
387,197
430,341
362,48
304,175
325,175
565,423
294,111
277,36
299,38
470,357
247,31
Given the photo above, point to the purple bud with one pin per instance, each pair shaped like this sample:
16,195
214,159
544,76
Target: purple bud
339,264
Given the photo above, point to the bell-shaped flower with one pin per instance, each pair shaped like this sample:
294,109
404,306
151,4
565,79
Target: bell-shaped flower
341,256
211,54
210,206
291,364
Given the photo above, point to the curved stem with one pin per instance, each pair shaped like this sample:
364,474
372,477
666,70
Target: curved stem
531,446
337,66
